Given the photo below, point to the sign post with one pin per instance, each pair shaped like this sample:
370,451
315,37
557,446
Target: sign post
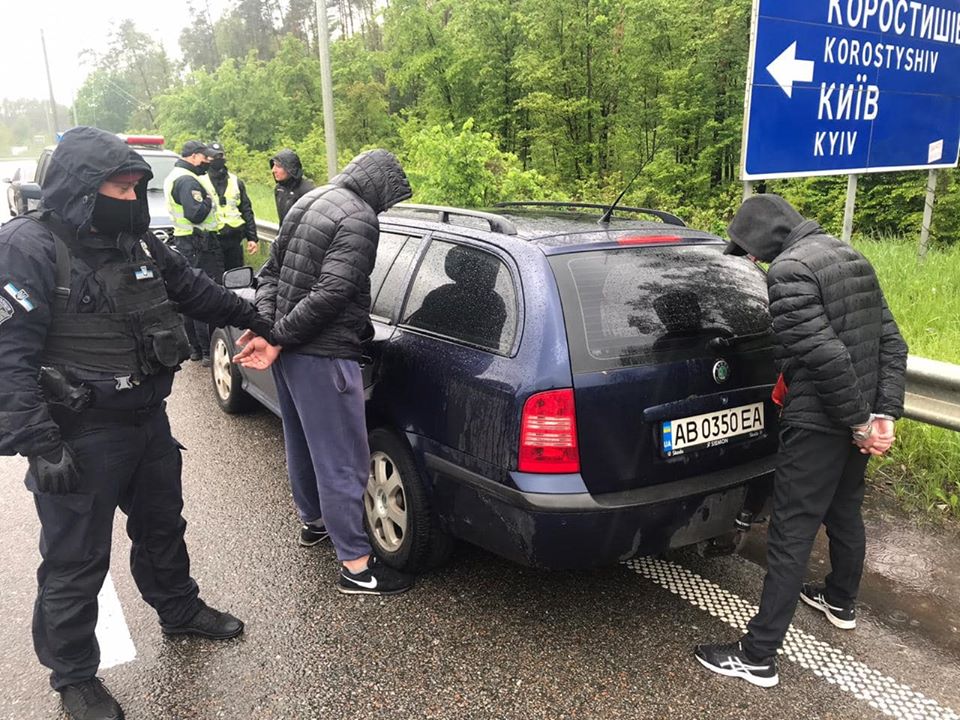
846,87
851,205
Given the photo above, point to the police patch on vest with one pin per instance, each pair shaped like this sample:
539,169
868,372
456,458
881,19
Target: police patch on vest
6,310
197,195
21,296
144,273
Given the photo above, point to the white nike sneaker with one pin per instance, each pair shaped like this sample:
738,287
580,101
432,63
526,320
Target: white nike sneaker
376,579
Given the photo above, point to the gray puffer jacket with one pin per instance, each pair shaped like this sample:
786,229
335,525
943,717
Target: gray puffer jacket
840,350
316,285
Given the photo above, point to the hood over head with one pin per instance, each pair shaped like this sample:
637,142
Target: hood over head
762,226
289,161
83,159
377,177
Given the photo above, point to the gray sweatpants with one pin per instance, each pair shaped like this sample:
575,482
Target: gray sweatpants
325,432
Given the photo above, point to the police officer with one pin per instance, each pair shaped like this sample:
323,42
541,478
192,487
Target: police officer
89,343
234,210
190,203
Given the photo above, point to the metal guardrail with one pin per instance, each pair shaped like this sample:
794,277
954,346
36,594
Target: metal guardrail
933,393
267,230
933,387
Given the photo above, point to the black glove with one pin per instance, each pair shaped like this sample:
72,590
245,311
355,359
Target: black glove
55,471
262,327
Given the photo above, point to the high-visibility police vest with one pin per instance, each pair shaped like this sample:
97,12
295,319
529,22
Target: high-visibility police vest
182,226
229,211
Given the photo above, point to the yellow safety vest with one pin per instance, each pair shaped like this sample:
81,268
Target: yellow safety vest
229,212
181,226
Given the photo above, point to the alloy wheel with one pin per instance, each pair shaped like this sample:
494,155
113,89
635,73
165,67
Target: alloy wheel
385,503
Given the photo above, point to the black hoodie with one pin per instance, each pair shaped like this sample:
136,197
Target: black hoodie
288,191
316,284
840,350
81,162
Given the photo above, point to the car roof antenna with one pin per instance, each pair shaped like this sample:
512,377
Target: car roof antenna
605,218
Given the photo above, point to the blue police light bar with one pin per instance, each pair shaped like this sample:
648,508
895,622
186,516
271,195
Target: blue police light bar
837,87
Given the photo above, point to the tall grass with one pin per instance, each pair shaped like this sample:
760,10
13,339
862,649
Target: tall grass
923,468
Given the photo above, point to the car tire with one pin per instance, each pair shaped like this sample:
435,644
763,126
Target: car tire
227,382
403,527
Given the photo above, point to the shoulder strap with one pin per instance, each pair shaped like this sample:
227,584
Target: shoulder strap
58,231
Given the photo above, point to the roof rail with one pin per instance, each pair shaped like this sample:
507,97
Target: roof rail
668,218
497,223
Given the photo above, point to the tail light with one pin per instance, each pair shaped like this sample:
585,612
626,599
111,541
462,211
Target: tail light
548,434
648,239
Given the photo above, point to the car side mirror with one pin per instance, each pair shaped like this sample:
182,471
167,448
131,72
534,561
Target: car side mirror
238,278
30,191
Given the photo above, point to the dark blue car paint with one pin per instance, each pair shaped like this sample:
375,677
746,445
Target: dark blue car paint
459,408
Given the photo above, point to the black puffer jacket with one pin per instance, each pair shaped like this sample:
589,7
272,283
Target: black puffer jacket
287,193
316,284
840,351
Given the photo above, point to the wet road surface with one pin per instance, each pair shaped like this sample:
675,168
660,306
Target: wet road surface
480,638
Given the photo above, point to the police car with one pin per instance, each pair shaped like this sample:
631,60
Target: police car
161,161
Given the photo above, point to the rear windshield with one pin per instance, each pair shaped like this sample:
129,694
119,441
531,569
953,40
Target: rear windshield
635,306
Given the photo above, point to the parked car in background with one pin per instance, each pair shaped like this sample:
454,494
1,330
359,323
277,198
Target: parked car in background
562,392
15,199
161,162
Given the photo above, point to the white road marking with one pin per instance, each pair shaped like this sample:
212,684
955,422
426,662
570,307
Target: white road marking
116,645
879,691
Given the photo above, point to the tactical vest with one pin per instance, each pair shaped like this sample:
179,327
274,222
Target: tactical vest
141,335
181,226
229,209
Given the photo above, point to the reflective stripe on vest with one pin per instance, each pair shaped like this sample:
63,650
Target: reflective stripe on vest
182,226
230,211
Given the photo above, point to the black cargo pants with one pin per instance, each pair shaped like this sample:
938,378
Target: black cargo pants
134,465
819,480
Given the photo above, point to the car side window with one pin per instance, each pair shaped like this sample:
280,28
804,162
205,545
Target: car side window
392,286
465,294
388,248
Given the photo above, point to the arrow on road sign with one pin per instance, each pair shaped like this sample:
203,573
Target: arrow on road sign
787,70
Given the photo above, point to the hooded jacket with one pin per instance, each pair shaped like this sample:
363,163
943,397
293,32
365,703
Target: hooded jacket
840,351
84,158
315,286
287,192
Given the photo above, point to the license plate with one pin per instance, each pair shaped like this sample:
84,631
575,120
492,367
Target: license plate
712,429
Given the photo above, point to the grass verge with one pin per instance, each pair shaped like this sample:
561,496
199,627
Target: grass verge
923,468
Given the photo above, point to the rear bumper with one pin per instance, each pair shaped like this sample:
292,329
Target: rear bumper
580,530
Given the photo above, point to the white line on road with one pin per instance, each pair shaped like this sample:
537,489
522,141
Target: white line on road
116,645
879,691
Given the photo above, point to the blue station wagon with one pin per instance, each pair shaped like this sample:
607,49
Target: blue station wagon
562,392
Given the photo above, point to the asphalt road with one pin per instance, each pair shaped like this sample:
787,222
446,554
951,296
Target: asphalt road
479,639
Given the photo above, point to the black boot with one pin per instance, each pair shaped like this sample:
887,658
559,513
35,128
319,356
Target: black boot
207,622
90,700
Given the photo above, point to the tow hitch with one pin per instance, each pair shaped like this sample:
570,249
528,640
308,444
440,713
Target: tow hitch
729,542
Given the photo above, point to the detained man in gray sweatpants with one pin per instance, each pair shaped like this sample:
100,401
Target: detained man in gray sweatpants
315,289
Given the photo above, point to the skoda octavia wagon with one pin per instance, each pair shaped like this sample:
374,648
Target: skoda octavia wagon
563,392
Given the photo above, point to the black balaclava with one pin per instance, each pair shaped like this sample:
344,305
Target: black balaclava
112,216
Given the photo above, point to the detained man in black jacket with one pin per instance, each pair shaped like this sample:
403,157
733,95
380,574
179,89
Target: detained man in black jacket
843,361
90,340
315,289
291,184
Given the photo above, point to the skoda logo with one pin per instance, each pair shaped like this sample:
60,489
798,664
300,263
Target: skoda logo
721,371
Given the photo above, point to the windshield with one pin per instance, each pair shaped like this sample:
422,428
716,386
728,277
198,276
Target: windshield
161,165
633,307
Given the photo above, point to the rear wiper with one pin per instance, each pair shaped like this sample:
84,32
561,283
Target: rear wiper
728,341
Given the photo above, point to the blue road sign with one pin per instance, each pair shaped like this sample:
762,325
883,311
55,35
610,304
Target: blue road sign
852,86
